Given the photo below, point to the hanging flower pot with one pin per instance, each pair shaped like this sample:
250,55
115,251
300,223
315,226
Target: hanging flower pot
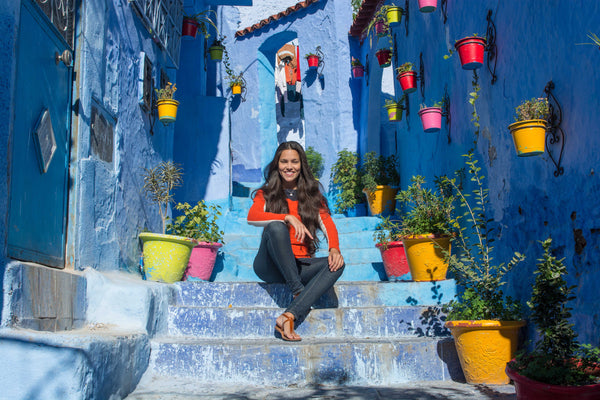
394,111
484,347
427,6
313,61
394,260
408,81
381,27
167,110
358,71
216,52
431,118
393,15
236,89
426,258
189,27
529,137
384,57
202,261
470,50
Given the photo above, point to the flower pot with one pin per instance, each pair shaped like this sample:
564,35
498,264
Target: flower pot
189,28
484,347
394,112
167,110
384,57
427,6
408,81
165,256
393,15
202,261
431,118
216,53
529,137
470,50
528,389
382,201
359,210
394,260
425,257
358,71
381,28
236,89
313,61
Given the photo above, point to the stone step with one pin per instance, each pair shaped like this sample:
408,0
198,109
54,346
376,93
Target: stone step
337,360
363,322
350,240
239,224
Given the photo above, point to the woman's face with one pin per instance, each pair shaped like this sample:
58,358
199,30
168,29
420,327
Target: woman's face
289,168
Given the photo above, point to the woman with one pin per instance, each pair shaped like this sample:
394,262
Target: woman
290,207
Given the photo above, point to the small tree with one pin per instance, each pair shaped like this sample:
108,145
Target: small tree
159,183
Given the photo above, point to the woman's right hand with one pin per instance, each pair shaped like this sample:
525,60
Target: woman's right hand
301,230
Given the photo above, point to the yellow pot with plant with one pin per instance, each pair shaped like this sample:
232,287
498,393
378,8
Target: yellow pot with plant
167,106
529,132
380,178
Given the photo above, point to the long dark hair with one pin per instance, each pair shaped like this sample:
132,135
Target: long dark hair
310,197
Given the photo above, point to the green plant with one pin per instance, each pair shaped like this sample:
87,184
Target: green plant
315,54
345,176
315,161
473,265
438,104
429,212
557,358
379,170
166,92
355,62
203,20
237,80
533,109
218,41
406,67
387,231
198,222
391,102
158,185
473,96
595,39
355,7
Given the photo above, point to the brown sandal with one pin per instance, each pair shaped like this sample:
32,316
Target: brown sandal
290,320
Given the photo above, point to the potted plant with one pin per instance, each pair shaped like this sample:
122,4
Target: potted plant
315,162
425,228
358,70
199,223
380,178
407,77
167,106
529,132
558,367
394,109
427,6
431,117
313,59
345,176
217,48
389,242
237,83
165,257
470,49
393,14
201,20
384,57
484,322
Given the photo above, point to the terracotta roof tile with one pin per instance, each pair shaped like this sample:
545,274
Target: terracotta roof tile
275,17
364,15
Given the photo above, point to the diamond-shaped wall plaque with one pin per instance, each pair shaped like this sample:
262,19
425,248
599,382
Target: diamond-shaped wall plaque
45,143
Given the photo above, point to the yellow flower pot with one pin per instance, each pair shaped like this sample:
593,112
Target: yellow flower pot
167,110
165,256
484,347
426,258
394,112
236,89
529,137
393,15
382,200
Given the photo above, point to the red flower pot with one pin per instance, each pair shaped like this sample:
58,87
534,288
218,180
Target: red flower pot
528,389
408,81
381,28
189,28
431,118
313,61
470,50
394,260
358,71
427,6
384,57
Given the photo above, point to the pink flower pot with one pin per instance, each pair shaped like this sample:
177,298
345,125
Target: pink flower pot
470,50
431,118
394,260
358,71
408,81
427,6
202,261
381,28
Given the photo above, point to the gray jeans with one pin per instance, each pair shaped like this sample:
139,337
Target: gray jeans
308,278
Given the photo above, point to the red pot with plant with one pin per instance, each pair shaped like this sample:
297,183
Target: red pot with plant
189,27
394,260
384,57
408,81
313,61
470,50
358,71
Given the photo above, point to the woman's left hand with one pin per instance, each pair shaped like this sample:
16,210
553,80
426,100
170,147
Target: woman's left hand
336,261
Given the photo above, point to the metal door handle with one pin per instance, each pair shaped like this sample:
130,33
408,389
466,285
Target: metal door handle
65,57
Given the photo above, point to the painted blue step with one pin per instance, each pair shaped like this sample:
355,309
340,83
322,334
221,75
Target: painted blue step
252,322
239,224
352,240
339,360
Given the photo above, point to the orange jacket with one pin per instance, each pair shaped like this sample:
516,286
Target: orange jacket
257,216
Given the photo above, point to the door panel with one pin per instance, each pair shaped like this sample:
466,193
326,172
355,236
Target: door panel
39,144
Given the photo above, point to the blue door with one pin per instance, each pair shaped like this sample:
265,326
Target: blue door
40,141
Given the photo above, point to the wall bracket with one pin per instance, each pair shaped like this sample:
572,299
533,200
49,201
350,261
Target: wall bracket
554,134
491,46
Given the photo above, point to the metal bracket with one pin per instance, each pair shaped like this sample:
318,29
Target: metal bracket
490,36
554,133
367,70
395,53
421,76
406,14
321,61
446,110
444,8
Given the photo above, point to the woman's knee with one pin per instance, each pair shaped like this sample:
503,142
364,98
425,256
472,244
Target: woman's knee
277,228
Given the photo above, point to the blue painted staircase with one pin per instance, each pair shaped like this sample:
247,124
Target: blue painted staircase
365,331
